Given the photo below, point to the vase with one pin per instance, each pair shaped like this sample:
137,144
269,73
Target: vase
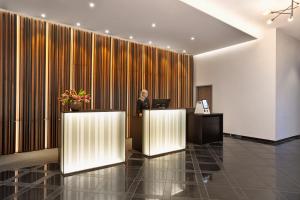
75,106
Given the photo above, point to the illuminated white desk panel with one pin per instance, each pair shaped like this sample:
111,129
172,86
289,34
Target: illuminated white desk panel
163,131
92,139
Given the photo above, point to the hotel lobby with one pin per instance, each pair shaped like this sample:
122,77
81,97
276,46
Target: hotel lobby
156,100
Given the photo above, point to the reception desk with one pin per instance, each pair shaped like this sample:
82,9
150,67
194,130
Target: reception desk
92,139
204,128
163,131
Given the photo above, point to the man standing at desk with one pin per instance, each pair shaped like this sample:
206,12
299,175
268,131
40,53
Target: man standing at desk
142,103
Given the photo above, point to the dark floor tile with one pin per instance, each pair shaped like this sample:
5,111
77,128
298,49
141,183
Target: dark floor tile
6,191
150,188
154,174
31,177
115,185
55,180
72,195
291,196
206,159
222,193
185,177
96,196
184,190
199,152
30,167
214,179
53,167
137,156
209,167
262,194
134,163
5,175
35,194
146,197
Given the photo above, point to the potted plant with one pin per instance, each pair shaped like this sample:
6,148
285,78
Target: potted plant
74,100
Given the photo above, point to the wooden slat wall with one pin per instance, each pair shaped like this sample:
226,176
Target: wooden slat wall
101,76
112,70
8,33
150,71
59,49
119,74
82,62
32,84
135,75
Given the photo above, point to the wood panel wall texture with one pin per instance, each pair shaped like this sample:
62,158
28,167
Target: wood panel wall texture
32,84
8,33
59,52
53,58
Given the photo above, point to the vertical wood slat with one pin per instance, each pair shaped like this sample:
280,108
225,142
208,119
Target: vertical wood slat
32,84
119,74
82,61
101,80
59,41
8,41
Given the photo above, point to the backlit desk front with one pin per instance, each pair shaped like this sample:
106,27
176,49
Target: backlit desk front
163,131
92,139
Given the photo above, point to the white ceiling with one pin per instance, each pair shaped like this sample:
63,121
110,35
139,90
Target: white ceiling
247,15
176,21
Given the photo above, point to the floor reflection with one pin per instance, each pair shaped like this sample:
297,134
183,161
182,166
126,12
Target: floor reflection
233,169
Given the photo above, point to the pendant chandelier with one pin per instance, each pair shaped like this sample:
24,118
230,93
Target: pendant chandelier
287,11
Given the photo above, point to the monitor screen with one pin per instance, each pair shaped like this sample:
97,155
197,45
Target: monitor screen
161,103
205,104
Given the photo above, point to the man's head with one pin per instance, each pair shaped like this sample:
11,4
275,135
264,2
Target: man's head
144,93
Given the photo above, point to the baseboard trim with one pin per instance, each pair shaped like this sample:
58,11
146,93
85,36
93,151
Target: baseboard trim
259,140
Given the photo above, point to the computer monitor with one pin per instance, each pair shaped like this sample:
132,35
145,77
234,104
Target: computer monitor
160,103
205,104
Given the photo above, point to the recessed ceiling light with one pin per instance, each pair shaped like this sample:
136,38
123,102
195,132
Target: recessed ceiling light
150,42
107,31
168,47
92,5
153,25
184,51
131,37
192,38
270,21
290,19
43,15
78,24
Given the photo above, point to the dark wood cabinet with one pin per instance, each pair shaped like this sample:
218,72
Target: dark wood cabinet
204,128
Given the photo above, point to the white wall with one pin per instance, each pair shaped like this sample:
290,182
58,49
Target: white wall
287,86
244,85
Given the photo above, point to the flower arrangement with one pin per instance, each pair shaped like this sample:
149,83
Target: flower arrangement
74,99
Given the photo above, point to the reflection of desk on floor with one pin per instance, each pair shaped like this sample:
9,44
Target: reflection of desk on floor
163,131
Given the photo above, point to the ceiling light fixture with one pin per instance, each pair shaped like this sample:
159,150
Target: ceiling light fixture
131,37
92,5
106,31
288,11
192,38
43,15
270,21
150,42
168,47
78,24
184,51
290,19
153,25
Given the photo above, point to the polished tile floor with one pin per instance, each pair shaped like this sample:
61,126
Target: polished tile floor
234,169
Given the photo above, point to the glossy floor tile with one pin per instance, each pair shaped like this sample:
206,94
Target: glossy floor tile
228,170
